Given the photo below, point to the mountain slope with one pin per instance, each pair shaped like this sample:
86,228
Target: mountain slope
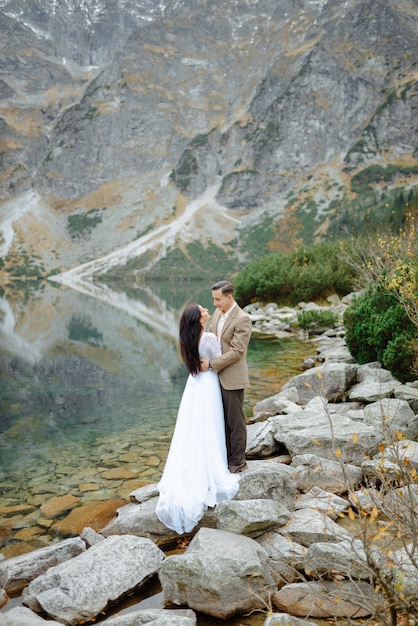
120,115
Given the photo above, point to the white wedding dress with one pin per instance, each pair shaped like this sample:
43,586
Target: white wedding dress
196,474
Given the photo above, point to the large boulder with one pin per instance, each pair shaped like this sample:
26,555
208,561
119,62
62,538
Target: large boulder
286,557
374,370
335,351
332,381
18,571
318,428
307,526
251,517
388,416
270,481
410,394
346,557
373,389
220,574
283,402
312,471
323,501
140,519
318,599
22,616
81,588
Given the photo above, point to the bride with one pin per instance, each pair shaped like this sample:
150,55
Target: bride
196,474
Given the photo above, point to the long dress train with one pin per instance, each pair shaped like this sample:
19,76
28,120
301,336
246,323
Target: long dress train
196,474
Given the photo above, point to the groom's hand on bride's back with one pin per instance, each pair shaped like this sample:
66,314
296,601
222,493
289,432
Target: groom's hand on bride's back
204,365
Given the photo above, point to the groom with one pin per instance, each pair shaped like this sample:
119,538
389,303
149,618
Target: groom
233,327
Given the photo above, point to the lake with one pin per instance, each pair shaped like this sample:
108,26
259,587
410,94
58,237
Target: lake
89,393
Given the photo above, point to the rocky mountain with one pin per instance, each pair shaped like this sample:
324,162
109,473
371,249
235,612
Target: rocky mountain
130,128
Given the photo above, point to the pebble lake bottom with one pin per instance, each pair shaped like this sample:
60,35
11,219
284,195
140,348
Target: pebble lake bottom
90,393
271,362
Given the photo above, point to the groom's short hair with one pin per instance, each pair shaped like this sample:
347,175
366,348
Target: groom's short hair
225,286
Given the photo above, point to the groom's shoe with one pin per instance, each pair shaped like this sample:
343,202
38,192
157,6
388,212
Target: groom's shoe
235,469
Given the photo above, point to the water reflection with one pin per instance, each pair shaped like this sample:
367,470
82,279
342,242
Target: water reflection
72,364
89,394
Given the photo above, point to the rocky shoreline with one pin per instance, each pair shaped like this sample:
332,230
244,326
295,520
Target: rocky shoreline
316,451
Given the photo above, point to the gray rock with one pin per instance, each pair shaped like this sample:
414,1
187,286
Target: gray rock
250,517
371,390
375,371
268,480
90,537
275,404
390,415
154,617
286,557
346,557
394,462
403,452
18,571
405,573
408,393
364,499
316,428
144,493
260,440
331,380
401,504
311,471
82,587
322,501
328,599
382,469
22,616
220,574
335,354
307,526
307,364
141,520
284,619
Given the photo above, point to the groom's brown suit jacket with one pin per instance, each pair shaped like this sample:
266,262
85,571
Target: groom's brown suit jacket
231,366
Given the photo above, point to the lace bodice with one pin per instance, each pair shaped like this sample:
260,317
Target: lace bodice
209,346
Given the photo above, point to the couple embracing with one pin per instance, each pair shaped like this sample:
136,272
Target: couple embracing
207,451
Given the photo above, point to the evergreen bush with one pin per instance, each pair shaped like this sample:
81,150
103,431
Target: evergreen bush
316,320
308,273
378,329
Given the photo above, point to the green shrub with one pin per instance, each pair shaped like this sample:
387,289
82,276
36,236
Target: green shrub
378,329
81,224
187,168
316,320
309,273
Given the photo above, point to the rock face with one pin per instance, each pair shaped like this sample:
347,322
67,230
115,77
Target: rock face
128,109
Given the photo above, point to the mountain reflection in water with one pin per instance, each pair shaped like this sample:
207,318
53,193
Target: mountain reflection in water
89,395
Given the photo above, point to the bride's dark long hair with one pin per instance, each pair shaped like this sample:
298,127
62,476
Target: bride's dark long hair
189,333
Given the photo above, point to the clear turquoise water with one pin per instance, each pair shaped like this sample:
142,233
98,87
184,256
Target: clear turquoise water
85,380
75,370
